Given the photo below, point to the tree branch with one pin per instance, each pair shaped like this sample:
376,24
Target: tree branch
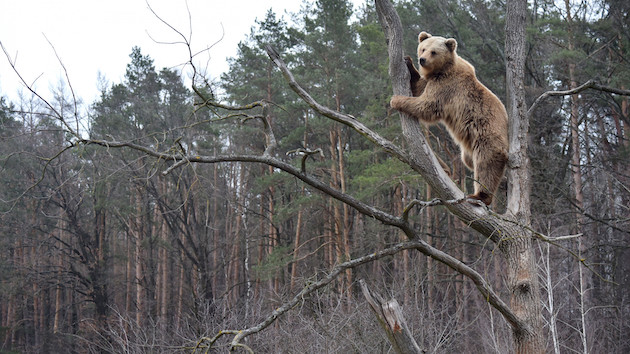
264,159
416,244
345,119
590,84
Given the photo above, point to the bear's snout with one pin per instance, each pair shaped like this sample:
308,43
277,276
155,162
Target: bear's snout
422,61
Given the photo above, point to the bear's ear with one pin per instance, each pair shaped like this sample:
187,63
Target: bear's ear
451,44
423,35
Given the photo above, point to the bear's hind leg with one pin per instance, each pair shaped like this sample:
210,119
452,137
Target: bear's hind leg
467,159
489,167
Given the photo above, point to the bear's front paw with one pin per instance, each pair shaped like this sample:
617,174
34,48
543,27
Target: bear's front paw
410,66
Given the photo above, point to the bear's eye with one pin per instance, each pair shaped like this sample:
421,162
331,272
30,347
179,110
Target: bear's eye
433,52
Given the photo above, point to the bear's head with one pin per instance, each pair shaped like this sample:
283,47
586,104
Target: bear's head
435,54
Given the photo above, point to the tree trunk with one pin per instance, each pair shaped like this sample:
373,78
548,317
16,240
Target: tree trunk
164,265
179,313
390,317
214,227
130,287
296,245
522,277
139,233
576,173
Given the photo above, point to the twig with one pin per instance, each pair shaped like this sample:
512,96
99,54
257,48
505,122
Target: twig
305,154
174,166
74,98
55,112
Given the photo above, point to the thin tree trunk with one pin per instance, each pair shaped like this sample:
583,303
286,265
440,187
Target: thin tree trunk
262,245
57,318
346,213
9,339
139,233
430,268
36,307
214,227
163,275
59,289
296,246
273,235
130,283
337,230
235,261
180,291
576,172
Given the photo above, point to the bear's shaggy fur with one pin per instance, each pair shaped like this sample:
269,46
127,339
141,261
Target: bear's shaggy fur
447,91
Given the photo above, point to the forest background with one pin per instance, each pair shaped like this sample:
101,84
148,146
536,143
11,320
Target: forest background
107,249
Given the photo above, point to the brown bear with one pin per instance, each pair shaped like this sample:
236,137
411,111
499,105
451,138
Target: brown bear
446,90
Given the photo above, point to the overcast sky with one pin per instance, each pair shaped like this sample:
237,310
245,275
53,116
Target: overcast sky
97,36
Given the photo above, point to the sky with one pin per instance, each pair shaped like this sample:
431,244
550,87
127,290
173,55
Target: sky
93,38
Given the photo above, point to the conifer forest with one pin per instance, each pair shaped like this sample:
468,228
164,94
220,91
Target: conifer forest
284,207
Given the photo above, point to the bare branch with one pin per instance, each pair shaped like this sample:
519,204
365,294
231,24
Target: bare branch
212,103
345,119
268,160
590,84
74,98
417,244
186,40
